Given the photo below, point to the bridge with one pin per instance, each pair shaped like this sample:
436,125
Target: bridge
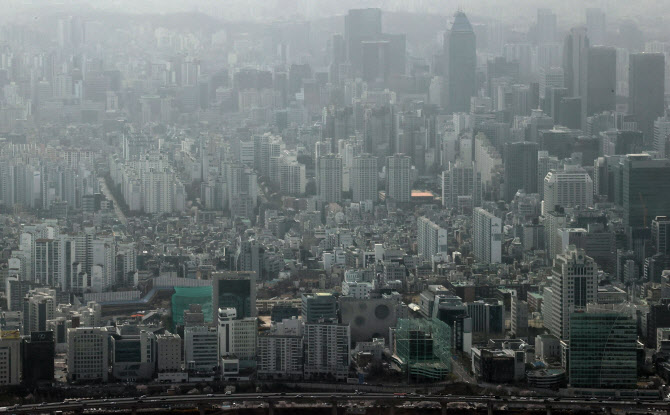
388,400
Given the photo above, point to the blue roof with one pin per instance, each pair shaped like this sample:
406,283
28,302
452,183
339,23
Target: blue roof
461,23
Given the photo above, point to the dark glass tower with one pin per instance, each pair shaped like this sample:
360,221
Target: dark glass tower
601,80
520,168
460,44
646,88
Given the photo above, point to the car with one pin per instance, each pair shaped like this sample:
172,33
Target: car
298,396
209,395
43,404
229,393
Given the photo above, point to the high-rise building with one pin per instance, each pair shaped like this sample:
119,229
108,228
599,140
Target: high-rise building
431,238
603,349
327,350
461,184
646,91
39,305
645,190
398,186
318,306
660,234
575,58
459,50
360,25
568,188
168,352
236,289
280,352
601,80
518,316
486,237
329,178
596,26
552,77
574,285
201,348
662,136
88,354
364,178
38,353
10,358
520,160
546,26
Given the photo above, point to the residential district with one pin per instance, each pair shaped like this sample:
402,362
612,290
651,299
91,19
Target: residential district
432,202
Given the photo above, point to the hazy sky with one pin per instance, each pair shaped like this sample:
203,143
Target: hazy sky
568,10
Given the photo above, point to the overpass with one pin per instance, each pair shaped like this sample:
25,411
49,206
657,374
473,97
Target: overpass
388,400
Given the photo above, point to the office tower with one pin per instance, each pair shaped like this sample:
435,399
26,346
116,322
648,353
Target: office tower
575,64
329,178
645,190
225,329
486,237
133,353
236,289
431,238
376,56
398,186
38,353
601,80
364,178
459,50
554,220
327,350
603,349
552,77
660,234
318,306
461,187
596,26
237,337
520,168
168,352
280,352
487,317
646,91
39,305
518,316
88,354
10,358
360,25
574,285
378,131
546,26
292,179
618,142
662,136
201,348
568,188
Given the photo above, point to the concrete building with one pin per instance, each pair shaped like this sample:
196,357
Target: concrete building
327,347
364,178
88,354
201,349
398,183
329,178
486,237
280,352
431,238
168,352
318,306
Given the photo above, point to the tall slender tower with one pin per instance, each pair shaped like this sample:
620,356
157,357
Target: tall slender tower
575,58
459,49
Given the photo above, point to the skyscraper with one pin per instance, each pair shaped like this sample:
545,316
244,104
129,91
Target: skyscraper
360,25
575,57
574,285
601,80
364,178
461,182
596,26
646,89
546,26
398,186
329,178
486,237
603,349
234,289
569,188
662,136
520,168
459,50
431,238
645,190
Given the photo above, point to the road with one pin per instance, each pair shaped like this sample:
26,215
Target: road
108,194
386,399
462,373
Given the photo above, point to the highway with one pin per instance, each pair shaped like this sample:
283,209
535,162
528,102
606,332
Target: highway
386,399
